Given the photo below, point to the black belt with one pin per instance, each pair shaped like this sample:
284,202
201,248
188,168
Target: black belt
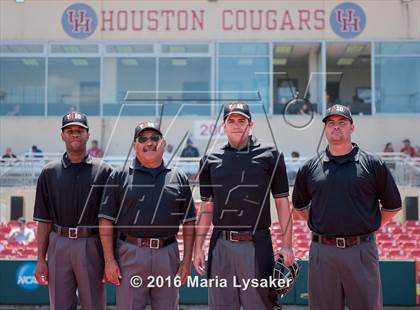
76,232
152,243
343,242
237,235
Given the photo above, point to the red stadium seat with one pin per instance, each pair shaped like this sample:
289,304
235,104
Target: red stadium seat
411,223
388,244
414,230
404,237
32,224
399,230
5,229
26,253
7,252
384,236
300,223
397,254
302,237
13,244
415,254
13,223
276,231
32,244
382,229
303,244
412,245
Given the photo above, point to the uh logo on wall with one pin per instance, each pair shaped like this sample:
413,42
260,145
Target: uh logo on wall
79,20
348,20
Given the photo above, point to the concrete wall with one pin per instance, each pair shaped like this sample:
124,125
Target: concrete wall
371,133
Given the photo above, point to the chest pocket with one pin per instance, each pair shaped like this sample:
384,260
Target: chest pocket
170,196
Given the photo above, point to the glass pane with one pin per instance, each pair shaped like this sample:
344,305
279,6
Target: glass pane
185,76
294,75
22,86
245,75
129,49
349,76
397,84
400,48
245,49
185,48
73,85
21,48
128,74
74,49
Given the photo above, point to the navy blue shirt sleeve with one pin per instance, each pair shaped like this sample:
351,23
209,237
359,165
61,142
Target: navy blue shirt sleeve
279,184
111,197
301,197
206,190
187,207
387,190
42,207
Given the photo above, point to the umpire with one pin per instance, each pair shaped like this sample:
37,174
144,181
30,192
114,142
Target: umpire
147,202
235,182
68,197
338,192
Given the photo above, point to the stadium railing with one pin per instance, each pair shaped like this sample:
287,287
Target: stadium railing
24,170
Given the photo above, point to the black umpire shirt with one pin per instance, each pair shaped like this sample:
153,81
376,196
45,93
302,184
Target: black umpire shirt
343,192
239,182
147,203
69,194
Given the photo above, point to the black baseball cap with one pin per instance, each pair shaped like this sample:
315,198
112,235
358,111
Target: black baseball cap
144,126
238,108
340,110
75,118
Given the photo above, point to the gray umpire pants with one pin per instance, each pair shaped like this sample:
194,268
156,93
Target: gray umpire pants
144,262
236,259
75,264
344,276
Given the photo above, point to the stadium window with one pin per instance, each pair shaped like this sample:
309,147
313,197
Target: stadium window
397,77
243,69
129,74
185,85
349,76
73,85
22,85
294,75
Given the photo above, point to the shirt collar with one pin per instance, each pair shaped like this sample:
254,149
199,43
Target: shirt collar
253,142
352,156
66,162
136,165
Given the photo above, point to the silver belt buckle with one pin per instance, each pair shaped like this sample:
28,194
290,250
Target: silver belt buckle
73,233
340,243
152,242
231,236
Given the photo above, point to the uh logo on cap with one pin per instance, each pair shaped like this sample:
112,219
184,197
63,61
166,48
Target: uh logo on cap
337,108
73,115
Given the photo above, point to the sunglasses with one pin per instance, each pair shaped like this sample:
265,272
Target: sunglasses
144,139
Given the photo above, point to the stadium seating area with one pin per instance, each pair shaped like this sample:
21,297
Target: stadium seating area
14,249
396,241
